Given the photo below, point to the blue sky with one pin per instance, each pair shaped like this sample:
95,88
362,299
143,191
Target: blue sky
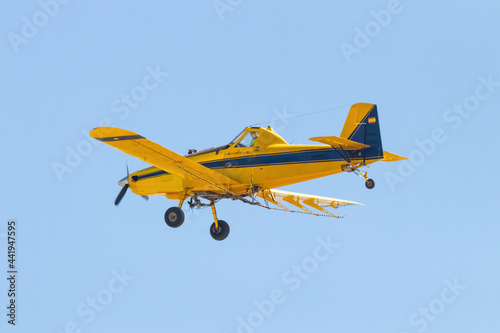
420,256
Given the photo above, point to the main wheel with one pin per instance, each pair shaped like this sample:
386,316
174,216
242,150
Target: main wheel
370,183
174,217
221,233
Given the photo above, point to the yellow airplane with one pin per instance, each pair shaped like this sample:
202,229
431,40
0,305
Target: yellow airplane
251,167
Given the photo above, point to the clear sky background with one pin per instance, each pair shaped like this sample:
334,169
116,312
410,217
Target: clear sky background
422,255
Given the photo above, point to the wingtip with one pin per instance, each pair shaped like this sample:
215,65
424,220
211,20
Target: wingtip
99,132
106,132
94,132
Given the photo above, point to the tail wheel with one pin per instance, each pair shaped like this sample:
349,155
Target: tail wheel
370,183
221,233
174,217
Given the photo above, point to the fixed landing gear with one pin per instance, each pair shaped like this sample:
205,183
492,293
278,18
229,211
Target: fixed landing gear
174,217
219,230
370,183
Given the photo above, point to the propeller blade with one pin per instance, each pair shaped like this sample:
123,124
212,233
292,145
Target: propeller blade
145,197
121,194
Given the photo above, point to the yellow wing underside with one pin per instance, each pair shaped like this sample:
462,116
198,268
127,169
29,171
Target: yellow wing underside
194,174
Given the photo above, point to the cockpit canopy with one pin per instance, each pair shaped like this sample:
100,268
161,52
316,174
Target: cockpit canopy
257,137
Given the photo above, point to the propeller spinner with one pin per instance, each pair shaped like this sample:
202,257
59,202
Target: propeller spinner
124,183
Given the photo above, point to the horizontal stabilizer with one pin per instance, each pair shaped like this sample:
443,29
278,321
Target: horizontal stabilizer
337,142
300,201
390,157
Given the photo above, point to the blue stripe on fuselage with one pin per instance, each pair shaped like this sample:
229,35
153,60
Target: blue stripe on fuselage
310,156
323,155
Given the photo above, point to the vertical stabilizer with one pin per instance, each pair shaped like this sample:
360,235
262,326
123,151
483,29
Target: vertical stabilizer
362,125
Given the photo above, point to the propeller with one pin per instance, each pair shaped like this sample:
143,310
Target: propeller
125,185
124,182
121,194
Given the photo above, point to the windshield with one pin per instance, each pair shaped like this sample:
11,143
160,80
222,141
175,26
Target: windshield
237,137
248,140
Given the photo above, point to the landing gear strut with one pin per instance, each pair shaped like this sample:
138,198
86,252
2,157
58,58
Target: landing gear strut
370,183
174,217
219,230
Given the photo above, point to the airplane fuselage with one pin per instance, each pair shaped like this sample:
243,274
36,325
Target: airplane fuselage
274,166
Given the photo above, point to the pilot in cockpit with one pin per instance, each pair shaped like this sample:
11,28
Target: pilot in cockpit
248,140
254,135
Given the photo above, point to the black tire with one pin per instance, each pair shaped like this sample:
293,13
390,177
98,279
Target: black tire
221,233
174,217
370,183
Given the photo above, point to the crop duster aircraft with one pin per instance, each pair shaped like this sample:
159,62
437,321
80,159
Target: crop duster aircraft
251,167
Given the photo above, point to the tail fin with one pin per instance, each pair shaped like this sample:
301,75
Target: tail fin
362,125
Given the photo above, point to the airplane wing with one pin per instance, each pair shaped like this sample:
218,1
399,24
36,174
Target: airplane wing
193,173
337,142
303,201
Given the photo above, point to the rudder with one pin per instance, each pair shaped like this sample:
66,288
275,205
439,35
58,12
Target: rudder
362,125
